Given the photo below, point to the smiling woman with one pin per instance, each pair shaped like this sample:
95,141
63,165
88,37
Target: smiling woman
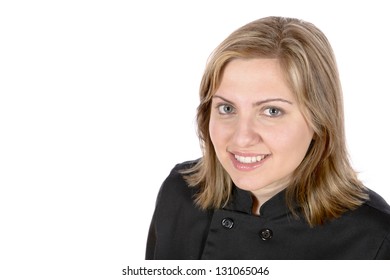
275,181
264,132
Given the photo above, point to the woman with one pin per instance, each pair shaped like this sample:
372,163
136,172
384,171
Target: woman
274,181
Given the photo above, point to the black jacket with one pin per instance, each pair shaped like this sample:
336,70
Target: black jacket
179,230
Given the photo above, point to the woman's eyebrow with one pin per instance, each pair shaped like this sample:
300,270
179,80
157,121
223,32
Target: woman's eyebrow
258,103
224,99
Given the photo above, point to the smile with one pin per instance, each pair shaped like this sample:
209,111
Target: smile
253,159
248,162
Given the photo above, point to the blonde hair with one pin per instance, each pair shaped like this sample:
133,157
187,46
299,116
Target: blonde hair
324,185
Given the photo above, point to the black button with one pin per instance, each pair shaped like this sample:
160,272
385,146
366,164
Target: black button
266,234
227,223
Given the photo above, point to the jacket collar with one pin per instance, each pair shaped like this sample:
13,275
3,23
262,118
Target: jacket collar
242,201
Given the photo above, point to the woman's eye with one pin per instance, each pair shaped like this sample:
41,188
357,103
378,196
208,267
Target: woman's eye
273,112
225,109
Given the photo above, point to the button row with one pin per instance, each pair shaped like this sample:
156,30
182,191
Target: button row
265,234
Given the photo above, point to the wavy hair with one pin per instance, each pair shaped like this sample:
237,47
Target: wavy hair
324,185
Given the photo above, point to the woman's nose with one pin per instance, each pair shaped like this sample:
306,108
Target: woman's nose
246,133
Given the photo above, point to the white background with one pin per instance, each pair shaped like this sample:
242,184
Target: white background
97,104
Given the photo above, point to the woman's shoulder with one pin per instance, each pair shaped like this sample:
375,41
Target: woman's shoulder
179,168
375,212
377,202
375,219
175,188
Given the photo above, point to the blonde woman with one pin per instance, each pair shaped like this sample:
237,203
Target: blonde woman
274,181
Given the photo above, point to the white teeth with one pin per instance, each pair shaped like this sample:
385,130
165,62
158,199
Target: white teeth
249,159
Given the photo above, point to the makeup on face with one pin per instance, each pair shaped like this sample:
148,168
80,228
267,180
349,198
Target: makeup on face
259,134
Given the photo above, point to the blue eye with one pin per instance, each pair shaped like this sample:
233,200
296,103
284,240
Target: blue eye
273,112
225,109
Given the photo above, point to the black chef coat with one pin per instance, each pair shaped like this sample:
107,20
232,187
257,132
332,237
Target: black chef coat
180,230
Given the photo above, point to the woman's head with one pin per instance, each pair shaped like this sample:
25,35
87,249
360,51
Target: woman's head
296,58
256,127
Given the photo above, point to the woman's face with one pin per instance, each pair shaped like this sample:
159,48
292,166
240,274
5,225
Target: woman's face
258,131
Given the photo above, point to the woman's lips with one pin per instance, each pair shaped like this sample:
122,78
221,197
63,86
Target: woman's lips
248,162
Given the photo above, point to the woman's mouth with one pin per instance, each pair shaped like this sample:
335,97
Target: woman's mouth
248,162
252,159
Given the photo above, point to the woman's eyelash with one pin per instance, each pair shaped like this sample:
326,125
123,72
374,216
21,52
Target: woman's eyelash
273,112
225,109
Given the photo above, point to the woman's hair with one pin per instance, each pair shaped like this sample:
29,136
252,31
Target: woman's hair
324,185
